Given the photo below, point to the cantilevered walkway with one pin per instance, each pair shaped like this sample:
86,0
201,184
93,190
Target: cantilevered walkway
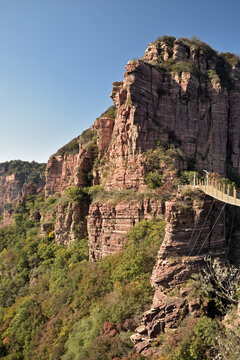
224,193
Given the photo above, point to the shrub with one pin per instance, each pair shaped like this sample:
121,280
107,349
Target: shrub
87,138
186,177
160,163
230,58
199,342
94,190
168,40
128,196
213,76
180,67
120,287
110,112
153,180
233,176
76,194
70,148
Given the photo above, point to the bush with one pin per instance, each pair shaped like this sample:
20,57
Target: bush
88,136
110,112
183,67
230,58
153,180
212,75
187,177
118,288
161,164
168,40
76,194
200,342
233,176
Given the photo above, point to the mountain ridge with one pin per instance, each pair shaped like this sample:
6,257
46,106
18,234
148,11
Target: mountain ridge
110,192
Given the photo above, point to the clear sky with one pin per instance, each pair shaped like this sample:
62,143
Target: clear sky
58,59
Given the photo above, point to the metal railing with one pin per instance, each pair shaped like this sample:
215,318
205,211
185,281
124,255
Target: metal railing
225,193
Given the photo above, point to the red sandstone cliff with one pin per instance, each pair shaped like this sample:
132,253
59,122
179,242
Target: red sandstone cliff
108,224
180,92
18,179
190,234
183,93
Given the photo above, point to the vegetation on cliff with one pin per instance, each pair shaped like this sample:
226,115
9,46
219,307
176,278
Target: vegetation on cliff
55,302
24,170
224,62
87,138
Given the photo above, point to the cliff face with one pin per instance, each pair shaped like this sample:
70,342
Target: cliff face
181,99
64,171
191,232
18,179
71,222
108,224
71,167
181,92
176,109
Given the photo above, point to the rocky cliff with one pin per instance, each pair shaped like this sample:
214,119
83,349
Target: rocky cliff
18,179
108,224
181,93
176,109
194,228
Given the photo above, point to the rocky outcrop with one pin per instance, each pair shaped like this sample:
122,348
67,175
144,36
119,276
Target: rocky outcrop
13,189
64,171
104,127
108,224
193,228
10,190
18,179
70,222
181,92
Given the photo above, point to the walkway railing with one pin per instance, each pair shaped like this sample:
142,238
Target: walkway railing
225,193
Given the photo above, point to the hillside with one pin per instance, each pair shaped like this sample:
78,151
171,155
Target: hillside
18,179
112,260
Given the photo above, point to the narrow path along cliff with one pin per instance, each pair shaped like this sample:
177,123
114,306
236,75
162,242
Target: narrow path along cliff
114,209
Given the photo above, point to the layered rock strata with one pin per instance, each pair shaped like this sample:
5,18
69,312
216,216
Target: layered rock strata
15,188
175,94
181,92
64,171
192,231
68,170
71,222
108,224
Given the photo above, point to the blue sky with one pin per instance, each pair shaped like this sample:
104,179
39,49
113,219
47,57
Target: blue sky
58,59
